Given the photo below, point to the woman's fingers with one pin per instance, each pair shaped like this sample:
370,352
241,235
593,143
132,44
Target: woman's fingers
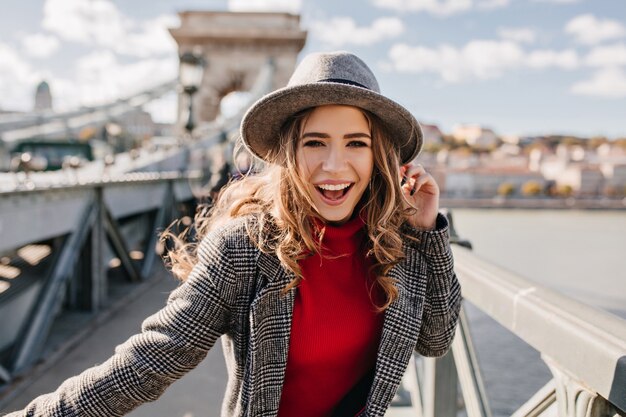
414,176
421,180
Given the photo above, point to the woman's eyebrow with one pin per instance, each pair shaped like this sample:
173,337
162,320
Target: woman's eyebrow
315,135
327,136
356,135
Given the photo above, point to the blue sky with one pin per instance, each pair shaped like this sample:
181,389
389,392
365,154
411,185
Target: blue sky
517,66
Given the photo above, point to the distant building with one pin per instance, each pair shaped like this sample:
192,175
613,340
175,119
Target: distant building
432,134
615,175
511,139
484,182
43,97
475,135
138,124
164,129
5,157
460,158
585,179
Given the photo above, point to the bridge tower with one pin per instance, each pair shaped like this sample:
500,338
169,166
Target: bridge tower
43,97
235,46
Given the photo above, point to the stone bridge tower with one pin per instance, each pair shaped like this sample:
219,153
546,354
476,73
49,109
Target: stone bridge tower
235,46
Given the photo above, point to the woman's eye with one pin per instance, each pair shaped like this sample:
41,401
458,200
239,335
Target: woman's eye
313,143
357,143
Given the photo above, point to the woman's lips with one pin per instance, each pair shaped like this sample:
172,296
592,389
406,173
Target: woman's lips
334,202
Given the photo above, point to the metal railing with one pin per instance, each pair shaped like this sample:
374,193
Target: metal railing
584,348
85,218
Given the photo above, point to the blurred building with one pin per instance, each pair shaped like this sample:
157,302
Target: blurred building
476,136
43,97
485,181
584,178
432,134
138,124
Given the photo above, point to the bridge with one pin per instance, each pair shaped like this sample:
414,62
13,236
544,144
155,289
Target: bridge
79,252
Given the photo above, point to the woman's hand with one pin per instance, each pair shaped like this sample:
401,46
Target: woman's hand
420,192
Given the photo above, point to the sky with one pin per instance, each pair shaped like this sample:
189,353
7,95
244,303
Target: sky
519,67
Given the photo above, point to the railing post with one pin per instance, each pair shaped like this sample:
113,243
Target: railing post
440,387
476,404
32,337
162,217
118,244
98,277
574,399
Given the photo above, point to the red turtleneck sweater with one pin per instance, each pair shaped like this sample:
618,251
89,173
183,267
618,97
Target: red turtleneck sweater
335,330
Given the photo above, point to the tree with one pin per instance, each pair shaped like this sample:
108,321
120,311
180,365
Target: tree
506,189
565,190
531,188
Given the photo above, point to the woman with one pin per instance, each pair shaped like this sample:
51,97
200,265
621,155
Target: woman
324,272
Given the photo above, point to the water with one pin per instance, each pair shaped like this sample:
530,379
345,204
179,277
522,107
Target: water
579,253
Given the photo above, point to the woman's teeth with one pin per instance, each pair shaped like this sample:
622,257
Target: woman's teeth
334,191
334,187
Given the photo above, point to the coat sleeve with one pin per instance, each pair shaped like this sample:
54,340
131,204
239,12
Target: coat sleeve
442,303
172,342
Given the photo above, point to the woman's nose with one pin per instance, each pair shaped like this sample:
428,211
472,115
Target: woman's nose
335,160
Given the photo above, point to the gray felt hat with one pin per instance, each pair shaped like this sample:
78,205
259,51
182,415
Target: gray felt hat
328,78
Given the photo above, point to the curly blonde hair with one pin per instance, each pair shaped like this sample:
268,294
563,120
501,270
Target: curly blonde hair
278,201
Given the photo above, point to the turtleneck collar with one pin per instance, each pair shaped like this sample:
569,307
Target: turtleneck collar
343,239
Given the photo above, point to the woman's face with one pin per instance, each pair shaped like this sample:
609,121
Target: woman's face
335,159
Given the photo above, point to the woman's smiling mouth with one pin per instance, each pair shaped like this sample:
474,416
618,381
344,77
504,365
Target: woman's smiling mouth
334,194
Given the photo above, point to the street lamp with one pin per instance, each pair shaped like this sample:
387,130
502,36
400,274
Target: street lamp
191,71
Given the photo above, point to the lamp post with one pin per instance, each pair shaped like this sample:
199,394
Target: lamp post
191,71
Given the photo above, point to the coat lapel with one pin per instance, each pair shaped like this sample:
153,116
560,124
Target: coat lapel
270,321
398,340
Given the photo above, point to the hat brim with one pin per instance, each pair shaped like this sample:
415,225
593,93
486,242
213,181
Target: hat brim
261,125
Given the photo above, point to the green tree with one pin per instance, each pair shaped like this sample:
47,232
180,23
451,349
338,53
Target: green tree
531,188
565,190
506,189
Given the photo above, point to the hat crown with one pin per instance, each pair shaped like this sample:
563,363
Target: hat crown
340,67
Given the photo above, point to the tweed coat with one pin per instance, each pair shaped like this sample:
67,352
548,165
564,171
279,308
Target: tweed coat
235,290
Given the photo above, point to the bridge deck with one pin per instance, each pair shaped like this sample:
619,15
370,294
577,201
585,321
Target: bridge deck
198,394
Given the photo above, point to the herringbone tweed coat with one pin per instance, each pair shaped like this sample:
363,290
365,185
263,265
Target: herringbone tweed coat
235,291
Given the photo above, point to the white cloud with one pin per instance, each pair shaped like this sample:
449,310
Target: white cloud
437,7
540,59
557,1
476,60
589,30
39,45
606,56
100,77
606,83
85,21
290,6
151,38
340,31
492,4
520,35
17,80
101,23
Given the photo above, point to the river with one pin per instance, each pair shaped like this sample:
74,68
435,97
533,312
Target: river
579,253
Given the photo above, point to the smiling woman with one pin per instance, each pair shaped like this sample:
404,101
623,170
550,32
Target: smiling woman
323,271
335,159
